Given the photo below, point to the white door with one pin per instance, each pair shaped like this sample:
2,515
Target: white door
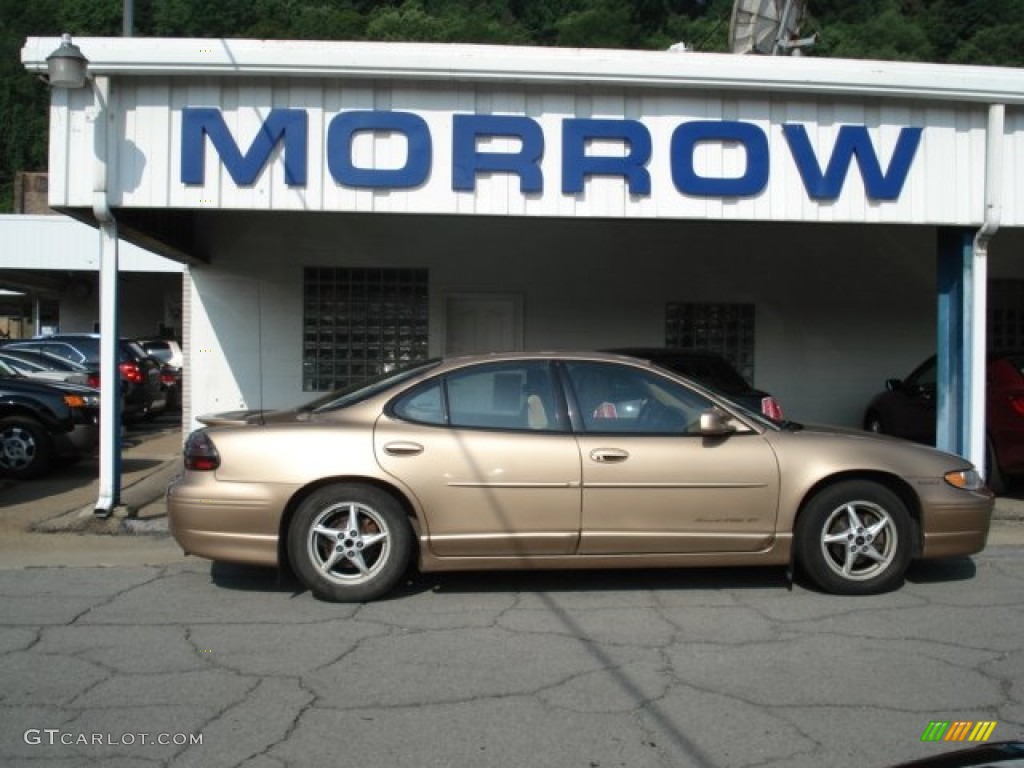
483,322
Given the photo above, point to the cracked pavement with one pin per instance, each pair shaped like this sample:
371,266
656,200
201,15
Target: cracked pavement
592,669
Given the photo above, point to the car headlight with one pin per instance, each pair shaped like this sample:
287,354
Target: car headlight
967,479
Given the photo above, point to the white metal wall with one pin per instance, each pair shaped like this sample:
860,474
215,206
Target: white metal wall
945,184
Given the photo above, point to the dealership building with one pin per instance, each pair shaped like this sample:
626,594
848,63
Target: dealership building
342,207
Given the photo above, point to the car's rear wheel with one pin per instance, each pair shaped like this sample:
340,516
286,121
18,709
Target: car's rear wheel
349,543
25,448
854,538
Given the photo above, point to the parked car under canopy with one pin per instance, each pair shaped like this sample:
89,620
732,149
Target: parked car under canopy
561,461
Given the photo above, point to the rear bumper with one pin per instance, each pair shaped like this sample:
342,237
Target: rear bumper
230,522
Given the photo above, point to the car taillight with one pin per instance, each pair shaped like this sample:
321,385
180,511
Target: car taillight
770,407
93,380
200,452
1017,403
167,378
131,371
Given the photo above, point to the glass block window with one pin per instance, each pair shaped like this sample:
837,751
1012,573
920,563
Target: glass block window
1006,314
357,323
727,329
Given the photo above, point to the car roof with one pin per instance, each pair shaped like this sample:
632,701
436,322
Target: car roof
552,354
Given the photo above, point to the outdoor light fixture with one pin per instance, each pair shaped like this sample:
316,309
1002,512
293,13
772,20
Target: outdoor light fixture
68,69
67,65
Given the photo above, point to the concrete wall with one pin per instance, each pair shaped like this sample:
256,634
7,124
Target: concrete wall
840,308
150,302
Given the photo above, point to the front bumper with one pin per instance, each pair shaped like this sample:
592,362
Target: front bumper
954,522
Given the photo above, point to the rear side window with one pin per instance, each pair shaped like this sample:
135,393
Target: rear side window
423,404
514,396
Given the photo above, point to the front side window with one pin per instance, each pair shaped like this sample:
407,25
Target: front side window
618,398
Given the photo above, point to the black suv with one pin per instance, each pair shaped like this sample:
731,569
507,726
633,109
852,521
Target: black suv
141,386
711,370
41,422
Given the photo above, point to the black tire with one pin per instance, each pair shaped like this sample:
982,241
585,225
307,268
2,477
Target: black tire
854,538
349,543
26,449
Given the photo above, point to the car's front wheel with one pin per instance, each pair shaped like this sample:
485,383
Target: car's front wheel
25,448
349,542
854,538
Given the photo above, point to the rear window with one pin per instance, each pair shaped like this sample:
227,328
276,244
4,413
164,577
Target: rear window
159,349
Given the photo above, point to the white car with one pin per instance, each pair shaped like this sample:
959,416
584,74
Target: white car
165,350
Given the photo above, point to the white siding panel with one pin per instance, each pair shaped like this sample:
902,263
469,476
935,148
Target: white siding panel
59,152
61,243
945,184
1013,170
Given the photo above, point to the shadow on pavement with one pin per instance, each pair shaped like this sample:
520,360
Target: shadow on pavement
939,571
249,578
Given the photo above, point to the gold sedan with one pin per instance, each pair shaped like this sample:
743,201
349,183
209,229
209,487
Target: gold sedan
581,460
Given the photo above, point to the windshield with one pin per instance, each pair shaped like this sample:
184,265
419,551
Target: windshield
357,393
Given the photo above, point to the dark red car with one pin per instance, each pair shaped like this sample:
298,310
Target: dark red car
907,409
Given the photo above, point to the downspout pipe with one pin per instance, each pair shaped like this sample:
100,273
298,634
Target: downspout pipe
109,498
994,140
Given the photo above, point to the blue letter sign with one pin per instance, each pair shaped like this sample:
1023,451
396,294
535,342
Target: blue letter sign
684,141
577,164
342,131
468,161
288,125
853,141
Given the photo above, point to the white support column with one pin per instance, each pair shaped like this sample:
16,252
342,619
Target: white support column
109,498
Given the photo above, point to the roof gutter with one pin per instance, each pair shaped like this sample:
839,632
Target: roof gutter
447,62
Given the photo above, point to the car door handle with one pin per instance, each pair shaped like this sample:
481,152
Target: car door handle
608,455
403,449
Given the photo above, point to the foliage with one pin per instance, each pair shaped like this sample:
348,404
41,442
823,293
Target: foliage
989,32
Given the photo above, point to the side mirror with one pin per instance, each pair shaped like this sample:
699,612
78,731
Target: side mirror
714,422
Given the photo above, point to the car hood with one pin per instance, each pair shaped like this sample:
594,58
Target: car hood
827,449
24,385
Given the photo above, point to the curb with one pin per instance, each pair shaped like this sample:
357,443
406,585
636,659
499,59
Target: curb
125,519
